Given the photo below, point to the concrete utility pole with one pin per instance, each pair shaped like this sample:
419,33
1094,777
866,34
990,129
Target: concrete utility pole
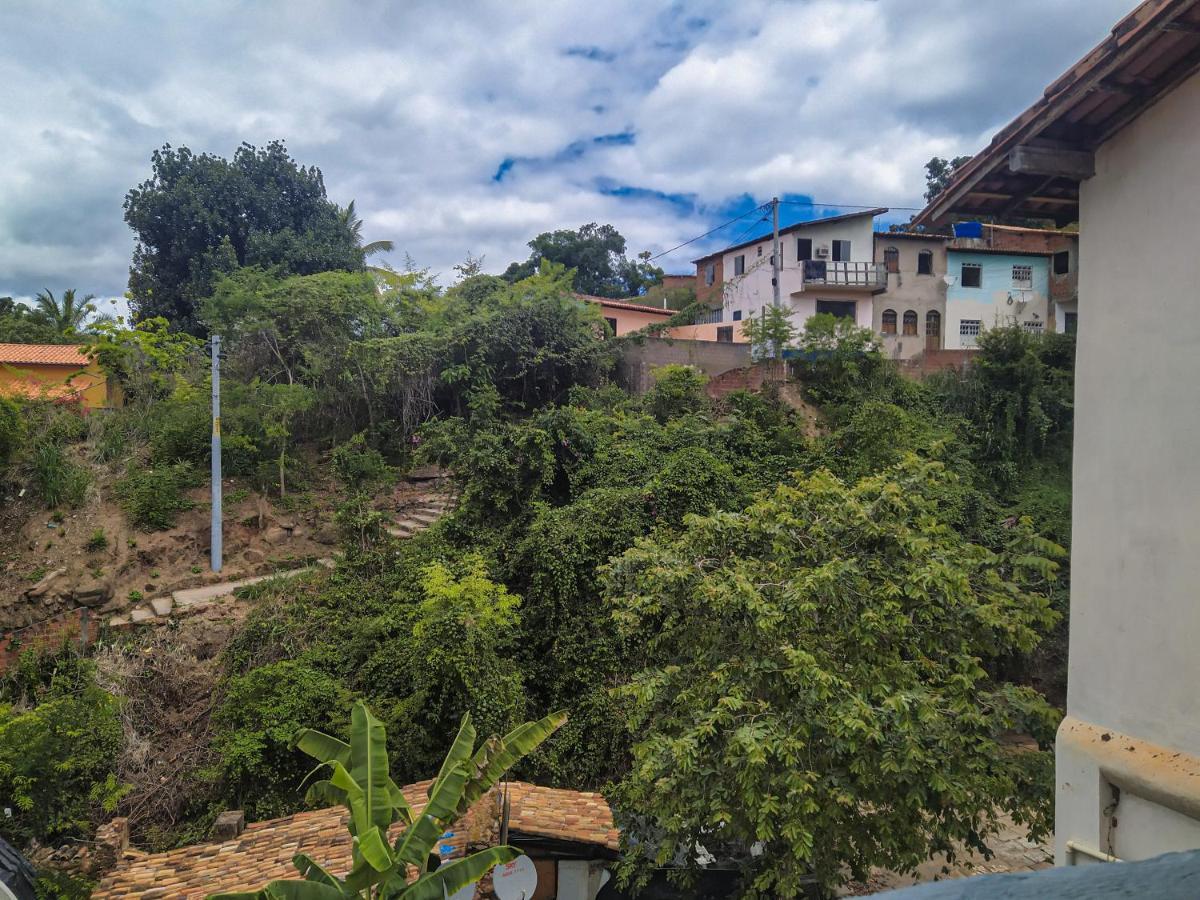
776,264
216,453
776,260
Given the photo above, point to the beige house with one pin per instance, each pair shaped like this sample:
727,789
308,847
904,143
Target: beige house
1115,145
909,316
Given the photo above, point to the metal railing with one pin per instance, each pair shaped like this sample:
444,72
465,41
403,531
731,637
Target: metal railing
869,275
709,316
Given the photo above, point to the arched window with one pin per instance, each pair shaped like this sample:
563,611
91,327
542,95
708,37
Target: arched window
891,256
889,321
910,322
925,262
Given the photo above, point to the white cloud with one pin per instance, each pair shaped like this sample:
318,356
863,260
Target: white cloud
411,108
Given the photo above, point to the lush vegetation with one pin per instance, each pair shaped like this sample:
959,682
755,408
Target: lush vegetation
799,645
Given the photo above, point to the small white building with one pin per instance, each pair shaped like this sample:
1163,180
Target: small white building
1115,145
827,265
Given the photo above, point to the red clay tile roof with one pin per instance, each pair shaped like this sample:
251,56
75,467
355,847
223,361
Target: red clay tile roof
43,354
624,304
264,851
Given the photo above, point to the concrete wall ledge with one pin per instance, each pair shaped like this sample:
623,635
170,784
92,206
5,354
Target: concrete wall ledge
1168,777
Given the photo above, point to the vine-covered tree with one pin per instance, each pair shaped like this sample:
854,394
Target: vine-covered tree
199,217
811,700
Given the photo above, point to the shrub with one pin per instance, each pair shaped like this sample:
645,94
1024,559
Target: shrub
56,884
97,542
153,497
258,716
59,480
678,390
12,429
58,759
358,465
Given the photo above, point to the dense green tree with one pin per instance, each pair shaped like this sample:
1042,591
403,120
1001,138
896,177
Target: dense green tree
597,254
939,173
811,701
201,216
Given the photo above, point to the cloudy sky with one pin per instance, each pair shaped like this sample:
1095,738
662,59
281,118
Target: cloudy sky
467,128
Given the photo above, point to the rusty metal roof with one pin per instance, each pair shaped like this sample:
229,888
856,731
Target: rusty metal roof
624,304
1148,53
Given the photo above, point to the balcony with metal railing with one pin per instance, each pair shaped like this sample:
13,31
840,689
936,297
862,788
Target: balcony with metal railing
856,276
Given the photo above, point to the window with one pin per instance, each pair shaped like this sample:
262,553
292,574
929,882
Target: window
1023,277
803,249
843,309
841,251
1062,262
972,275
1033,326
925,262
910,322
891,258
612,323
889,321
1070,323
710,273
737,315
725,334
968,332
739,264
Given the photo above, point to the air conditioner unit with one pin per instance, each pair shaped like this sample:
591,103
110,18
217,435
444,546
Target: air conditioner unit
822,253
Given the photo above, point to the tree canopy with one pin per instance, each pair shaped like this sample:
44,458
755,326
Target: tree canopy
200,216
939,173
811,700
597,254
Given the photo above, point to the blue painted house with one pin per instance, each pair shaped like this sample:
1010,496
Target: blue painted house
988,288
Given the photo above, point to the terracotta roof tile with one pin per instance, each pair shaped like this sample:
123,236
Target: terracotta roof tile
43,354
264,851
624,304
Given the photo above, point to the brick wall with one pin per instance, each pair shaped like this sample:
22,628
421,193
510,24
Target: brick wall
639,360
712,294
1062,287
750,378
79,626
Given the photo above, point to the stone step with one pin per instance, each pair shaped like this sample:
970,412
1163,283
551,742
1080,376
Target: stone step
424,516
141,614
162,605
193,596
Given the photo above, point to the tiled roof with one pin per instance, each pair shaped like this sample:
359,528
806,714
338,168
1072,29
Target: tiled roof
1147,54
264,851
827,220
43,354
624,304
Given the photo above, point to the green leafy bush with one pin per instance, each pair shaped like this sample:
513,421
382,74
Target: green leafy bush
12,429
58,757
677,391
97,542
56,884
60,481
258,715
358,465
153,496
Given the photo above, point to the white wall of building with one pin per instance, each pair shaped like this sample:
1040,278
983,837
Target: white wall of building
1134,678
750,292
997,302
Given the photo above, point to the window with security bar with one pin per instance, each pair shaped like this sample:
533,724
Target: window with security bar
968,331
1022,277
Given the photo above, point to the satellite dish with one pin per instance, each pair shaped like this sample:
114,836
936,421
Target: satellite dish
516,880
950,279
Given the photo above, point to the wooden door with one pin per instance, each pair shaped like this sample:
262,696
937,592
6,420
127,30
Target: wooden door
933,330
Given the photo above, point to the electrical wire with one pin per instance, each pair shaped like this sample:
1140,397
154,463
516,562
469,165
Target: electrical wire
852,205
707,233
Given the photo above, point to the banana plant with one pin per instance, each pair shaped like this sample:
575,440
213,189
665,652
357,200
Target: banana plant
359,780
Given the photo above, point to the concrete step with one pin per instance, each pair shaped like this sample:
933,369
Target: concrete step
424,516
162,605
193,596
141,614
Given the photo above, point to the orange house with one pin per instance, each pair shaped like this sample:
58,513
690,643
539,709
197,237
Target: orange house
624,317
59,372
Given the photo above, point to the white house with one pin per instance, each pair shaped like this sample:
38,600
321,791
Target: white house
827,265
1114,144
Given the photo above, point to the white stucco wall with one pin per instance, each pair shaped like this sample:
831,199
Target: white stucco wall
1135,567
752,291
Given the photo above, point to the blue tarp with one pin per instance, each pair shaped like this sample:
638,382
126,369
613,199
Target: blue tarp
968,229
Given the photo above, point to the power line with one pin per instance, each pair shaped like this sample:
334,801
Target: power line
852,205
753,225
707,233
